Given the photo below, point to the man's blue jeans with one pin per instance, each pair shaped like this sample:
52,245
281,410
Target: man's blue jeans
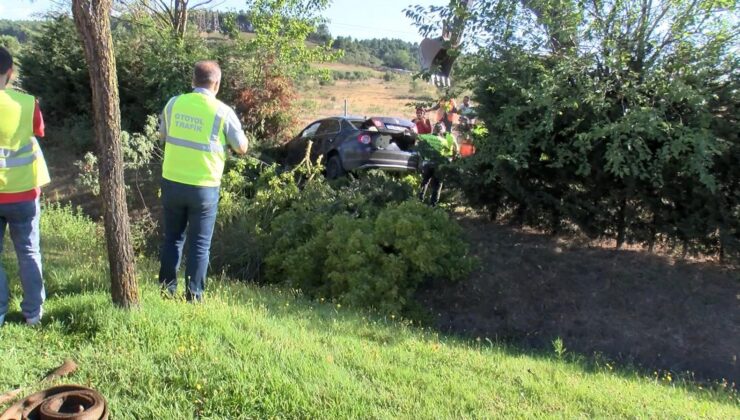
191,208
23,219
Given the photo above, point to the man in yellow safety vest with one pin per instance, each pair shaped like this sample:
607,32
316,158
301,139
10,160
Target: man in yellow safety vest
197,130
435,150
22,173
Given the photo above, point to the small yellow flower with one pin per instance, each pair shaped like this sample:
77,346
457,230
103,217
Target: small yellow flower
198,387
339,305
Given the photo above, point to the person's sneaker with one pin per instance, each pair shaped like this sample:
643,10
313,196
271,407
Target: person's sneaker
37,319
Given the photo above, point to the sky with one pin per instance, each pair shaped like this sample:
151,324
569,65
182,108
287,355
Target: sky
356,18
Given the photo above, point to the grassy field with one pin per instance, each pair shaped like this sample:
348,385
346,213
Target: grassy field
371,97
253,352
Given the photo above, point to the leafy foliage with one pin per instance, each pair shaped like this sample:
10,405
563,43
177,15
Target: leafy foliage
617,117
21,30
259,72
140,152
358,242
154,65
54,70
11,44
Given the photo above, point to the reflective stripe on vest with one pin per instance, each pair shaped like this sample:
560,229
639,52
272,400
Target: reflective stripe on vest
194,124
21,161
22,164
8,153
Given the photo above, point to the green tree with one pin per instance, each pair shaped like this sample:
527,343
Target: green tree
54,70
611,115
259,72
11,43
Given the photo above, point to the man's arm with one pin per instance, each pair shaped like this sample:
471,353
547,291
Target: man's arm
234,133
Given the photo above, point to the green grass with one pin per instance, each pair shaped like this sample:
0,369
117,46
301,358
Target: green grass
260,352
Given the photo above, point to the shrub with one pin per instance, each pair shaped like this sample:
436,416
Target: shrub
54,70
11,44
360,242
626,133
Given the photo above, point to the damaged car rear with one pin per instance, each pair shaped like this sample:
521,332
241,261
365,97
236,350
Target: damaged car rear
351,144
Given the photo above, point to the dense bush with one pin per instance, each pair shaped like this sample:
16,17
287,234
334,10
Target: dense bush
360,242
152,67
373,261
617,119
11,44
54,70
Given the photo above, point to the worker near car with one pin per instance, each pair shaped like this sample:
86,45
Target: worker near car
23,172
197,130
423,125
435,150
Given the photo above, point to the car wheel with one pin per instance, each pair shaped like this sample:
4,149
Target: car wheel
334,168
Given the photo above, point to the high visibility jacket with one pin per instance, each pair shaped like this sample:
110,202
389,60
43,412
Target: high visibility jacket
432,146
22,165
195,146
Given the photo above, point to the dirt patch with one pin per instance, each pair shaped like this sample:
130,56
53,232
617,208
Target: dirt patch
630,306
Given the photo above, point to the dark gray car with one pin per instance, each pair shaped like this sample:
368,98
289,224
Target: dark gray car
355,143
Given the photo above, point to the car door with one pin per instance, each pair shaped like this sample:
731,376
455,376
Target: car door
325,137
297,147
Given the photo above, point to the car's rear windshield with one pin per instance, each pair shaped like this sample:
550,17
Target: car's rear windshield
357,124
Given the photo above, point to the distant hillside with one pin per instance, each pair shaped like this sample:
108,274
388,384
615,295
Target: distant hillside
385,52
393,53
19,29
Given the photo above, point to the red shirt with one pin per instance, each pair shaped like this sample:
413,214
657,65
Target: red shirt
38,131
423,126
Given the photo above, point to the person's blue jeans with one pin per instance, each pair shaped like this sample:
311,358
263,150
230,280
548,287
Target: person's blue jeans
23,219
192,209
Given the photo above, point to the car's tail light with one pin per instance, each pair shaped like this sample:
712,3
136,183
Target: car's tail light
364,139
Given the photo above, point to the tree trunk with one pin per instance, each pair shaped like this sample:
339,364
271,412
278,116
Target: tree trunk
92,18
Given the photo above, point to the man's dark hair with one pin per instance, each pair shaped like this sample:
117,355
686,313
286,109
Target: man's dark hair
6,60
206,73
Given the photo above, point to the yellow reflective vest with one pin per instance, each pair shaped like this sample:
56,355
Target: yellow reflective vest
22,165
195,146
